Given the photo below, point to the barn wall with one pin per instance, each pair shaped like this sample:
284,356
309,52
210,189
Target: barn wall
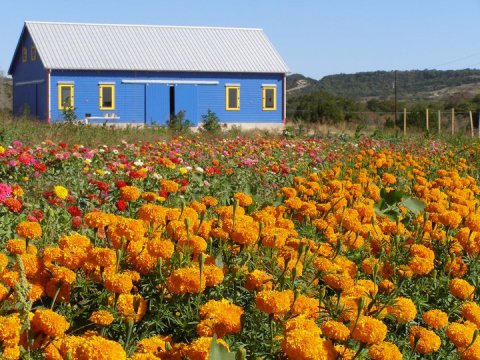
149,103
29,83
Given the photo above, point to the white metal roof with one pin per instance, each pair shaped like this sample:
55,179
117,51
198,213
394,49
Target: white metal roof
154,48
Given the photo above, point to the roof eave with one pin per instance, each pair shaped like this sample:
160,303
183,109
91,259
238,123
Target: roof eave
17,49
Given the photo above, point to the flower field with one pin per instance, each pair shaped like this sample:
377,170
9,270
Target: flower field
240,248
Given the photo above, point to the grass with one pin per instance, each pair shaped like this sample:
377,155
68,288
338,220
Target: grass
31,131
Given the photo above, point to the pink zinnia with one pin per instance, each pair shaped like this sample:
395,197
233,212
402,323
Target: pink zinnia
5,192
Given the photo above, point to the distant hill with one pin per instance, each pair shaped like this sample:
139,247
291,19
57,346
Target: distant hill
411,85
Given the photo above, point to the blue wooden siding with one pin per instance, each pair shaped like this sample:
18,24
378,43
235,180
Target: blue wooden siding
29,98
150,103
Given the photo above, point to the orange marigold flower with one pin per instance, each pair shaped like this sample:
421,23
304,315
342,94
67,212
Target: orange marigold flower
461,334
131,307
30,230
213,275
461,289
420,265
118,283
302,341
209,201
338,281
102,317
219,317
274,237
335,330
436,319
149,196
199,349
274,302
450,218
98,219
388,179
49,323
155,345
425,341
403,309
306,306
186,280
129,193
62,274
243,199
369,330
153,214
3,261
473,222
471,312
169,186
245,232
288,192
385,351
259,280
193,243
19,247
161,248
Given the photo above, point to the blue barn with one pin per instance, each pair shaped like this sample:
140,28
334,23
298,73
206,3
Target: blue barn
143,74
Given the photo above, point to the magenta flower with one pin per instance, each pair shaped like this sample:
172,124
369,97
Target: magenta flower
5,192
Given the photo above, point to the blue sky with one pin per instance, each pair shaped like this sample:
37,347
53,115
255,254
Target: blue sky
315,37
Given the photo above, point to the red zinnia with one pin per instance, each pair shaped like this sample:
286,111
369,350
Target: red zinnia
14,205
120,183
121,205
74,210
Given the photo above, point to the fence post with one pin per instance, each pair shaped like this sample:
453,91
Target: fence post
453,121
471,123
426,120
404,121
439,121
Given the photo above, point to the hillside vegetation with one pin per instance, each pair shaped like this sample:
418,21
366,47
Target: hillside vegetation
5,94
411,85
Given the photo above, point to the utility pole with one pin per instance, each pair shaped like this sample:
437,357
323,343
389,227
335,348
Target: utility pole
396,112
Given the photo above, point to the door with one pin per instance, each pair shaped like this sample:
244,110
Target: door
186,100
157,104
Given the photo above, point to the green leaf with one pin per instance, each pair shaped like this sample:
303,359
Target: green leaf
414,205
392,197
219,352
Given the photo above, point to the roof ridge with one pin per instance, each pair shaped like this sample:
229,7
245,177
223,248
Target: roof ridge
144,25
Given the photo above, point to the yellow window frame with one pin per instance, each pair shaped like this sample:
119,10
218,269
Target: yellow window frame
71,100
264,98
33,53
24,54
100,96
227,103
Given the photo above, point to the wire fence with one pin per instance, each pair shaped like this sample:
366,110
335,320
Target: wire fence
441,122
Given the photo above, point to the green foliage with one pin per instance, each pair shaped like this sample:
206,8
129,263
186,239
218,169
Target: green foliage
410,84
178,123
219,352
210,123
391,201
69,114
320,107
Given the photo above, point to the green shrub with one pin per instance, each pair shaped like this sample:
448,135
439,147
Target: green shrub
178,123
210,123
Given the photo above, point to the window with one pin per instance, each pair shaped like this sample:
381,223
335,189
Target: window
24,55
107,97
33,53
269,98
232,97
65,96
